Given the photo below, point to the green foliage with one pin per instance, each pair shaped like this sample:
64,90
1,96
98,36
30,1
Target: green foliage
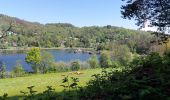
3,46
18,69
105,60
2,70
60,67
117,65
40,61
33,57
60,35
40,81
153,59
46,62
49,90
31,91
4,97
49,93
93,62
70,84
155,11
85,65
122,54
75,66
30,94
148,79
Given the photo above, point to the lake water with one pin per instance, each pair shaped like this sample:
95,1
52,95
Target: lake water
59,55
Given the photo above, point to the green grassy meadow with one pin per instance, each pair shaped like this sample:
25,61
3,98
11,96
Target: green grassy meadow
13,86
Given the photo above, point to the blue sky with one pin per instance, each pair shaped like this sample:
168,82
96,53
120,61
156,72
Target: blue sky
78,12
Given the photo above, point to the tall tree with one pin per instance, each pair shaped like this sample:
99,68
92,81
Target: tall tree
155,11
33,57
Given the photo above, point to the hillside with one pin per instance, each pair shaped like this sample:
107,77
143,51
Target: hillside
16,32
18,25
21,26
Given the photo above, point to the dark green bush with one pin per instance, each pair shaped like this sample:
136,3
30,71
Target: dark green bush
75,66
148,80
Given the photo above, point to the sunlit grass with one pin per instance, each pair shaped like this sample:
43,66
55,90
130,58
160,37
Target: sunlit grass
13,86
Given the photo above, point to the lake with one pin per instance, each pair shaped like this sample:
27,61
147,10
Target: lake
64,55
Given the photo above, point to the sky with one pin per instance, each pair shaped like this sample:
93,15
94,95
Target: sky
77,12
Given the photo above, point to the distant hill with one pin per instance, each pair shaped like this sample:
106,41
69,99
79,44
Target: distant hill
15,32
18,25
21,26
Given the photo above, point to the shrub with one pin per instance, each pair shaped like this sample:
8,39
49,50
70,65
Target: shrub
93,62
46,62
53,67
105,60
18,69
153,59
61,67
85,65
2,70
148,81
75,66
122,54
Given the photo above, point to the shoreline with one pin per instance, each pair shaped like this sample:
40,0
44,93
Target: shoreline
14,50
53,48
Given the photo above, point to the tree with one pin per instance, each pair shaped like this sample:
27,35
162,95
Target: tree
33,58
105,59
18,69
93,61
47,61
2,70
155,11
121,53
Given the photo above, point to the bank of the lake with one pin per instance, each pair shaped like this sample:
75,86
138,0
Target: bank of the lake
52,48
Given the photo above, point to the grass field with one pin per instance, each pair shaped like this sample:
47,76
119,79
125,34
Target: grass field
13,86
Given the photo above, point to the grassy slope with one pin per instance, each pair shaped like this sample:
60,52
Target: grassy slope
13,86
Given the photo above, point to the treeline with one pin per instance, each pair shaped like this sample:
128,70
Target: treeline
20,33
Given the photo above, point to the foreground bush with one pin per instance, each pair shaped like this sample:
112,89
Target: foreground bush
149,80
